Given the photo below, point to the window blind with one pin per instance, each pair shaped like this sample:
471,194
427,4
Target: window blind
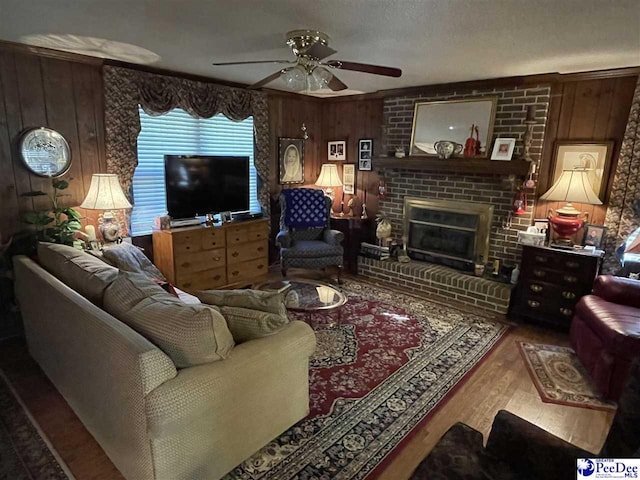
178,133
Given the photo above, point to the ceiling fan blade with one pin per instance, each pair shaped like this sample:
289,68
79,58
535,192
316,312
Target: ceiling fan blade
319,51
255,61
336,84
365,67
266,80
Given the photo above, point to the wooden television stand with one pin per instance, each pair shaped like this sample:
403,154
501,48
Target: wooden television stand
231,255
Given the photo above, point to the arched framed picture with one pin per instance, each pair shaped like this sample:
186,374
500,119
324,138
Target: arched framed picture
291,160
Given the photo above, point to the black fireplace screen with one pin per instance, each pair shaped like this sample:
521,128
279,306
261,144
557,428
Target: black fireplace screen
441,239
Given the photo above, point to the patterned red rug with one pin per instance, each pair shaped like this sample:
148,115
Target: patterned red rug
560,378
376,375
25,453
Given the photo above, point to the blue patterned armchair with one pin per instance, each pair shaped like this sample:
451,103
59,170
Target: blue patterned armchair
305,239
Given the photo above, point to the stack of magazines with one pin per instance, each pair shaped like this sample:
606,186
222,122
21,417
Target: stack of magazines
370,250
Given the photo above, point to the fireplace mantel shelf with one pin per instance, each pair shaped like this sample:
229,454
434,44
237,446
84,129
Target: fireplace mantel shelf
454,165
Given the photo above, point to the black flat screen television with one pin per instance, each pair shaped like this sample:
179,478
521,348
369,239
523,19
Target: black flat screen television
201,184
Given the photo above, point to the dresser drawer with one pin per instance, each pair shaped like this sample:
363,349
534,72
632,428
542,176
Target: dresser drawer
243,271
247,251
212,238
206,280
188,241
199,261
243,234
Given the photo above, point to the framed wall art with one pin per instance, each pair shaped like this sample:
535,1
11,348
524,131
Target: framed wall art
337,150
348,178
291,160
594,235
365,152
595,157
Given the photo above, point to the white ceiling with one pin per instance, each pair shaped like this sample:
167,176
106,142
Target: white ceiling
432,41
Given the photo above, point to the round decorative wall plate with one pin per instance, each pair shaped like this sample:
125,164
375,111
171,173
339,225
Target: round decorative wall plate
45,152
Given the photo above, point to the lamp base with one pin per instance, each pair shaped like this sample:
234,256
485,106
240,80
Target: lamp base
565,226
109,227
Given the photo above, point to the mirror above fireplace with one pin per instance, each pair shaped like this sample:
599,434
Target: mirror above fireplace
453,120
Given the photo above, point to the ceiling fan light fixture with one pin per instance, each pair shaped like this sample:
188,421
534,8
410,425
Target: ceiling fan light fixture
321,78
295,78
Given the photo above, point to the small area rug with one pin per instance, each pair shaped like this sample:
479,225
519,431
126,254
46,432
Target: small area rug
377,374
560,378
25,453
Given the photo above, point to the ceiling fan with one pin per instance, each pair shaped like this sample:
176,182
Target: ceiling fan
308,70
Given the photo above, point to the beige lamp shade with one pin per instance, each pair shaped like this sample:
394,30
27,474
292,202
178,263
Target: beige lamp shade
105,193
572,186
329,176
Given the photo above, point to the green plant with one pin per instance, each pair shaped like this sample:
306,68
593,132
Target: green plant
57,225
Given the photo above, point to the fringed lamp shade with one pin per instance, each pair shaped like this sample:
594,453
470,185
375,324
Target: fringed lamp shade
572,186
105,193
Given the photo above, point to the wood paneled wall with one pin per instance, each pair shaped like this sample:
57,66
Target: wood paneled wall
596,109
38,91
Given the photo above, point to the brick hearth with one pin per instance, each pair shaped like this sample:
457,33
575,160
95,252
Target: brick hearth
441,283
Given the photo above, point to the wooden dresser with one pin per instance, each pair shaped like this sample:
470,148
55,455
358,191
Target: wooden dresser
201,258
550,284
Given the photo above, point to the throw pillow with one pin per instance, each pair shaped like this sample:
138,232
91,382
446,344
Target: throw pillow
129,258
271,302
86,274
189,334
246,324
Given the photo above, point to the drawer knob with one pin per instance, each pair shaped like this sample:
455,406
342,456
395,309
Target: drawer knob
237,239
567,312
235,254
258,235
186,265
571,278
186,285
260,267
217,277
539,273
568,295
260,249
216,259
533,303
536,288
188,247
235,273
213,243
572,264
541,259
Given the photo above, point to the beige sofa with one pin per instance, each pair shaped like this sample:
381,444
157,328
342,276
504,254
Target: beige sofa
153,420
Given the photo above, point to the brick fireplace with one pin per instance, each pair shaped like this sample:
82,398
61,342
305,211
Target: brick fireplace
470,188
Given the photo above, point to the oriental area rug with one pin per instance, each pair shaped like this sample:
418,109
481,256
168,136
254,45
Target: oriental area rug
560,378
25,453
378,372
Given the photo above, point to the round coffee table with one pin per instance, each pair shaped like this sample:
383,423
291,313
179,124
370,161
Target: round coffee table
310,296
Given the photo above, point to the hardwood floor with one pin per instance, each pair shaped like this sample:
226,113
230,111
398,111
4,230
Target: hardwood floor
500,382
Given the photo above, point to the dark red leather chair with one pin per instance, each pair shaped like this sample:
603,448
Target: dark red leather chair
605,332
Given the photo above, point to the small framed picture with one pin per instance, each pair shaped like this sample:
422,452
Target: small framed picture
503,149
594,235
337,150
225,217
542,224
365,152
348,178
291,160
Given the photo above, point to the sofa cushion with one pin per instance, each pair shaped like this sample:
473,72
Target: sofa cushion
272,302
618,326
129,258
246,324
84,273
189,334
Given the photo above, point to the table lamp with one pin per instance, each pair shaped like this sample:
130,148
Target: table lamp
105,193
328,179
572,186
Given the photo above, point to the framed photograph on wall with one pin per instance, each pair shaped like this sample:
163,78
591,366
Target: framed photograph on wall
291,160
503,149
595,157
348,178
337,150
594,235
365,152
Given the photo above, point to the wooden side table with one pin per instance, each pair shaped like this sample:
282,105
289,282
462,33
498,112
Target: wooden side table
356,230
551,283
